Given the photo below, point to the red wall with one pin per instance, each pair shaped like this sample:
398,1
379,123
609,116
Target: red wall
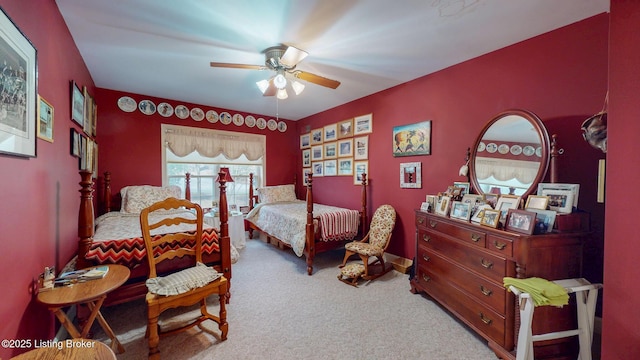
39,199
621,319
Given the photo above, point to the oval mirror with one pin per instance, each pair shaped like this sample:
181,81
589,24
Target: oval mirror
511,154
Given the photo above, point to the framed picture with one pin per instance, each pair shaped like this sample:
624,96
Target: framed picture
75,143
425,206
479,213
305,179
575,189
544,221
559,200
45,119
316,152
316,136
345,166
345,129
330,133
537,202
317,168
363,124
490,218
345,148
506,202
472,199
18,103
77,104
330,168
330,150
465,186
414,139
359,168
361,148
491,199
88,112
460,210
411,175
432,200
306,158
305,141
442,206
521,221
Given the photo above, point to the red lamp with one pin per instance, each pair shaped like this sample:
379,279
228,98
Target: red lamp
226,173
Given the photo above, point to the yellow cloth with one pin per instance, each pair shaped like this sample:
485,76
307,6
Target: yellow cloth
543,292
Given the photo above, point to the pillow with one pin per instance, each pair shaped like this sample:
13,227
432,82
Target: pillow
183,281
271,194
136,198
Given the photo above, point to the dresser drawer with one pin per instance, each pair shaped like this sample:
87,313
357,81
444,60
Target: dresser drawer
487,292
479,260
500,245
473,236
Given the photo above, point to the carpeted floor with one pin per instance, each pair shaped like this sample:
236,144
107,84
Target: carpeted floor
277,311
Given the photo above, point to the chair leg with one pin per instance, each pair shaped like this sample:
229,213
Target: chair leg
347,255
154,338
223,325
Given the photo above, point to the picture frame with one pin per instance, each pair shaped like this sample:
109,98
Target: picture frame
560,200
472,199
316,152
491,218
537,202
465,186
88,111
305,141
330,133
521,221
442,206
491,199
77,104
317,168
413,139
432,200
411,175
545,219
359,168
460,211
18,128
575,189
330,168
425,207
479,213
361,148
305,178
345,148
316,136
306,158
75,143
505,203
345,129
330,150
345,166
45,120
363,124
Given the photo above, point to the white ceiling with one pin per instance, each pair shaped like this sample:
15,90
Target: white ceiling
163,48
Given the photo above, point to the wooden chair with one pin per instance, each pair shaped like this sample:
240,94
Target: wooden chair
186,287
374,244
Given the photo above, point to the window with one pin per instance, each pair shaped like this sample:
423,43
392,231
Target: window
202,152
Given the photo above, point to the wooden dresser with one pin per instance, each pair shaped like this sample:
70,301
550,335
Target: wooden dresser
461,265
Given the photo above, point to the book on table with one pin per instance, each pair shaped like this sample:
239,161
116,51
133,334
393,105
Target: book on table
81,275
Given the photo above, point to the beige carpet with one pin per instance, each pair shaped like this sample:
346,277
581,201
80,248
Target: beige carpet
277,311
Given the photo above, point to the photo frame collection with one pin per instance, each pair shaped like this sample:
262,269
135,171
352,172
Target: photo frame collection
339,149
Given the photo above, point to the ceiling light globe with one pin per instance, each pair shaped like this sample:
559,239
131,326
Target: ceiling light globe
279,81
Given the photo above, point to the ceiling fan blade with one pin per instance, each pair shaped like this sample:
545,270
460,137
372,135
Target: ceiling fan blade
292,56
238,66
316,79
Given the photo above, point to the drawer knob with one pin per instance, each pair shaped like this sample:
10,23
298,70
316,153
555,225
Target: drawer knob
426,237
426,258
475,237
486,264
426,278
485,291
499,245
433,224
484,319
420,220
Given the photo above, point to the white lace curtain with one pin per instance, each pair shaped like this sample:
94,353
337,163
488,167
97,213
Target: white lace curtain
504,170
182,141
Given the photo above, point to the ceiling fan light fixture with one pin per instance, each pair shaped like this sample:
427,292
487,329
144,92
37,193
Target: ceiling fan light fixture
263,85
280,81
282,94
297,86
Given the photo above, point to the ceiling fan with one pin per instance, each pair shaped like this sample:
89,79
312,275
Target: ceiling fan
283,60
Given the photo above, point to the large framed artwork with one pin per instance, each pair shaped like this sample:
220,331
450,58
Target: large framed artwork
19,93
413,139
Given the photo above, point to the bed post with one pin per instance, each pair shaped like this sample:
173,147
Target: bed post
85,218
309,233
251,191
364,219
187,186
106,197
224,241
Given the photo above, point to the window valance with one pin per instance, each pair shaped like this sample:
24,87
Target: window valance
504,169
184,140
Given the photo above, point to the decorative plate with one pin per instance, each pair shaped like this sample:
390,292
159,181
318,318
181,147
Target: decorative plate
250,121
197,114
516,150
261,123
127,104
165,109
272,124
282,126
481,146
212,116
182,112
528,150
539,151
147,107
492,147
238,119
503,149
225,118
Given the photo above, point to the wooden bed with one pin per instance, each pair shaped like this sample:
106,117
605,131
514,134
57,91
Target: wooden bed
313,241
135,288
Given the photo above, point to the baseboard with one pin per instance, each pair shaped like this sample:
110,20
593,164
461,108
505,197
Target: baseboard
62,333
597,325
